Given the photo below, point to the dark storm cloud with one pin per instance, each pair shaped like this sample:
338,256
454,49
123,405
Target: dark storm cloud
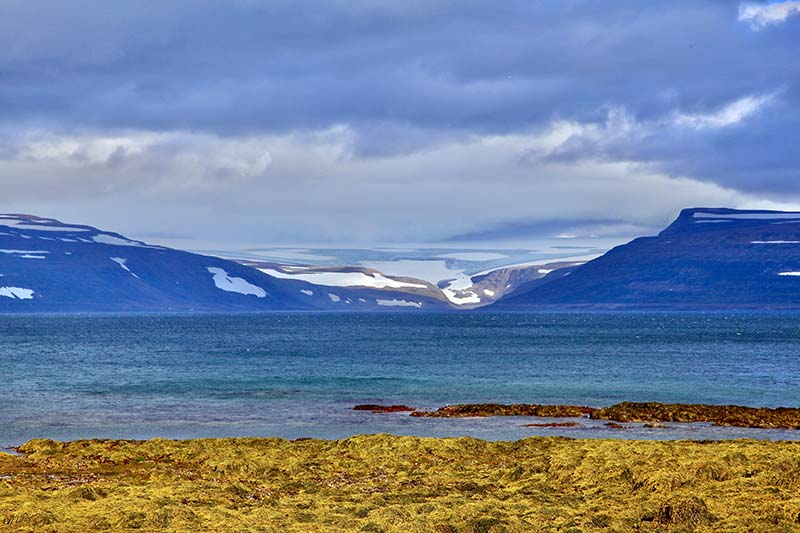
405,77
246,65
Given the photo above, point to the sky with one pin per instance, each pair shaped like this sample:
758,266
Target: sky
366,123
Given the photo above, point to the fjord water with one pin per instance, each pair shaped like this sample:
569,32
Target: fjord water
299,375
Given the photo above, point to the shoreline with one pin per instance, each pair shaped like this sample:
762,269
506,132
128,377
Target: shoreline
486,421
387,483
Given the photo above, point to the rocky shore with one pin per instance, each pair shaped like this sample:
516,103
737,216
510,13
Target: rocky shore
650,413
381,483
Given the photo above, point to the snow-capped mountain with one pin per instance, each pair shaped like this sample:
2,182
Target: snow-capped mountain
49,266
708,258
435,279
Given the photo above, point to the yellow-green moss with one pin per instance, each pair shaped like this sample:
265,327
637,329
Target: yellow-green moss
384,483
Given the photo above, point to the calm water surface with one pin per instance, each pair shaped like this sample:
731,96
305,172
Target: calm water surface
298,375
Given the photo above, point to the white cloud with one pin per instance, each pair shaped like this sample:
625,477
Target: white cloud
759,16
312,189
173,160
618,136
729,115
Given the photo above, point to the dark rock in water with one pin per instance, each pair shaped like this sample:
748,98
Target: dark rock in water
375,408
720,415
553,425
496,409
615,425
709,258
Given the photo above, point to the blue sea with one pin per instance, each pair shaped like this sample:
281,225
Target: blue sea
299,375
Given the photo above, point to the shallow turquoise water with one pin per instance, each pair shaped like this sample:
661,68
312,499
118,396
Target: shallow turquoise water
298,375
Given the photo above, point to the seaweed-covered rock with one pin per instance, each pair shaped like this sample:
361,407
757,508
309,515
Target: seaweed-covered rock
377,408
497,409
553,425
721,415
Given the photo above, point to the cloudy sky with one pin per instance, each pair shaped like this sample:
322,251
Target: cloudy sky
349,122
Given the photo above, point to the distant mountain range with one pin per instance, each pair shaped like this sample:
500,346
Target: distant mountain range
709,258
49,266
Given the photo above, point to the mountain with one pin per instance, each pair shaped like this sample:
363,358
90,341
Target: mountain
708,258
49,266
436,279
504,282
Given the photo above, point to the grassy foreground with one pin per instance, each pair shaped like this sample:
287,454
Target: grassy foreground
385,483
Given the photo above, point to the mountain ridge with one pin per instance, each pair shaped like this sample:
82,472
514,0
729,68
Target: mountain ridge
707,258
49,266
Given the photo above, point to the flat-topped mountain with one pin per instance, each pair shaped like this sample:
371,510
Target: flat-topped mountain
49,266
707,258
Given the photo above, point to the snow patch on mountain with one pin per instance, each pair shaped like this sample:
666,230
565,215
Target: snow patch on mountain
104,238
458,291
26,254
397,303
226,283
29,252
748,216
344,279
430,271
17,293
122,262
541,262
436,272
18,223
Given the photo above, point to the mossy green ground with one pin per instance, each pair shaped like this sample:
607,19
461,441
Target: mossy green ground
385,483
